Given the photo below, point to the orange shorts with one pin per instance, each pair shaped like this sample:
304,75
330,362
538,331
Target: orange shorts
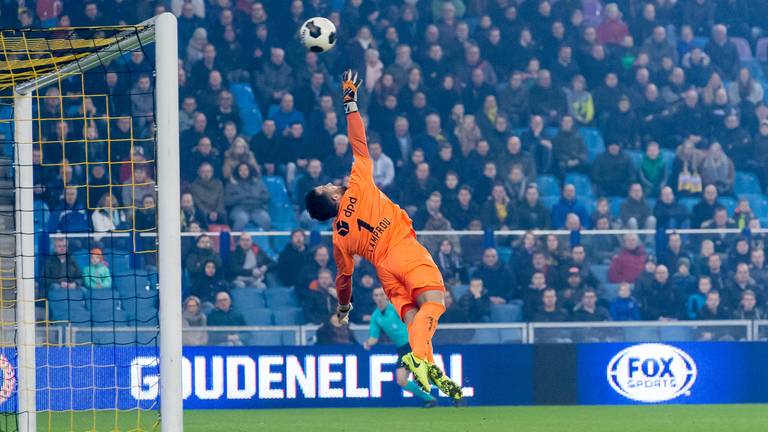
406,273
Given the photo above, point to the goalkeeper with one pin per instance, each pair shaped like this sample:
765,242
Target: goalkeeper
385,319
370,225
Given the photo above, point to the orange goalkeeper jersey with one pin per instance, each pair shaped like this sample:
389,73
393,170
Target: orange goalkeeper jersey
368,222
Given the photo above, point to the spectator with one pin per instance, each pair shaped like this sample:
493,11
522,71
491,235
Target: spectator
538,144
613,171
224,316
713,309
568,205
275,81
547,100
634,211
668,212
332,332
587,310
717,169
208,281
745,89
514,100
383,166
498,211
192,316
723,52
476,303
238,154
339,164
432,209
653,170
628,264
295,255
738,284
704,210
208,194
108,217
682,282
550,311
602,248
96,275
673,252
202,252
568,148
249,264
417,188
658,299
515,155
742,214
60,271
286,114
720,220
320,299
450,263
625,307
497,280
465,209
531,213
715,272
70,215
246,199
532,295
697,300
658,46
748,309
201,153
757,268
190,214
737,142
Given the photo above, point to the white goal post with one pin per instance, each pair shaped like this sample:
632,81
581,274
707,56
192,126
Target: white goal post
163,30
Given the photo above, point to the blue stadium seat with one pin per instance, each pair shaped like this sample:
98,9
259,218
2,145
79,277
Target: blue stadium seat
755,69
594,142
82,258
73,311
512,312
458,291
250,115
548,186
257,316
600,271
615,205
289,316
280,297
676,334
265,338
641,334
245,299
62,294
689,203
636,156
582,183
758,204
505,252
278,193
669,157
109,317
283,216
119,262
549,201
727,202
486,336
746,183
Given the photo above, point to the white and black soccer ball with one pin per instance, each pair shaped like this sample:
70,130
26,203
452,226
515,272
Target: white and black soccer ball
318,34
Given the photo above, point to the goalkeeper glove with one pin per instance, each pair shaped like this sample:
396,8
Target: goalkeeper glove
350,83
342,313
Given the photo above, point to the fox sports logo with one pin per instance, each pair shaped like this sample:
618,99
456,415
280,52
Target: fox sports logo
652,373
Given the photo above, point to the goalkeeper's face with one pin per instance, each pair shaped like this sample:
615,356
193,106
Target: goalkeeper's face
331,191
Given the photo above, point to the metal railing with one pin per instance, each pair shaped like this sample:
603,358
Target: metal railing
465,333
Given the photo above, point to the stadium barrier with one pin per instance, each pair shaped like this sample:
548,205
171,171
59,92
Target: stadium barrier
348,376
464,334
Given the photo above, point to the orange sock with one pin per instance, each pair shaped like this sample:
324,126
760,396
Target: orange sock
422,329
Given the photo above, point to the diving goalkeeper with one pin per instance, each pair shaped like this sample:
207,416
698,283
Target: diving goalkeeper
370,225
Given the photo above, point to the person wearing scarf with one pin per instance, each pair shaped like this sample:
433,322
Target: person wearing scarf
192,316
718,169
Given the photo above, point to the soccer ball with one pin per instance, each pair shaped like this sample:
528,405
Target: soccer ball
318,34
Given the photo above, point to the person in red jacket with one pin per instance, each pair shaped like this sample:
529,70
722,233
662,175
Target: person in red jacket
628,264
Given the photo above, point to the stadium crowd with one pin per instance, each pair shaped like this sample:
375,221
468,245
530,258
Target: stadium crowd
482,115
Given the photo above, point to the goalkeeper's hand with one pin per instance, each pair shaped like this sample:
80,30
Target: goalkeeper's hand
350,83
342,313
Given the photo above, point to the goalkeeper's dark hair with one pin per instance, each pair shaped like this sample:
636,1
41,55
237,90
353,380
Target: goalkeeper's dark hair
320,206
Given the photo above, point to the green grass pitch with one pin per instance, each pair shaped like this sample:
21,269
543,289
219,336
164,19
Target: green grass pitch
669,418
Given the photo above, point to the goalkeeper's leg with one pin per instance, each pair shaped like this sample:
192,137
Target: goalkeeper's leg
422,324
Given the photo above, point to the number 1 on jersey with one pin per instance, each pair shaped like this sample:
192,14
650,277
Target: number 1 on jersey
363,225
